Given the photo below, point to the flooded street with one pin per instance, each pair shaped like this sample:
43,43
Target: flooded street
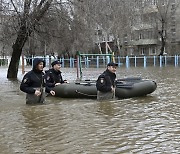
140,125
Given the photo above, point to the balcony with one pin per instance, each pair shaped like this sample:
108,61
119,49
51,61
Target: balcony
144,42
142,27
150,9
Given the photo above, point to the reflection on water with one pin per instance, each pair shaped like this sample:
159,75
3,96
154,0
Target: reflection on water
137,125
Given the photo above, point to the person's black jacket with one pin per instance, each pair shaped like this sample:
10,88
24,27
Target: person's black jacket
33,79
105,81
52,77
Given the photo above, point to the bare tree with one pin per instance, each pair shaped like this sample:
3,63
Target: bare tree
165,11
112,18
28,17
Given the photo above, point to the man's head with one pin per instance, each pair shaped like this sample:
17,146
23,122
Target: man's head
112,67
56,65
38,64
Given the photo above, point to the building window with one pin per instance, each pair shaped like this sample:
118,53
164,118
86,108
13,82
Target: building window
173,30
150,35
173,18
152,51
142,51
131,51
173,7
173,40
99,32
155,2
141,35
173,23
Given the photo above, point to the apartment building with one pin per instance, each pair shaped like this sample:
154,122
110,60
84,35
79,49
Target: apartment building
155,19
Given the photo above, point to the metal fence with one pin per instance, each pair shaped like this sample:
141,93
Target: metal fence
101,61
3,61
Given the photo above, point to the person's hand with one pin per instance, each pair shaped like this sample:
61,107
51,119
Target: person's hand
52,92
57,84
37,93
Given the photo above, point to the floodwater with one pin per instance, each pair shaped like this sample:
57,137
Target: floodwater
141,125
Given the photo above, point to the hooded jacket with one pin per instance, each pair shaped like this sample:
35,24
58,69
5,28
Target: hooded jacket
33,79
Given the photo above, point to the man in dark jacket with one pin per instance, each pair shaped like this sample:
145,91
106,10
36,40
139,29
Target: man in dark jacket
33,83
106,83
53,76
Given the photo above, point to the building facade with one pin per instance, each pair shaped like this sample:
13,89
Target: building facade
155,21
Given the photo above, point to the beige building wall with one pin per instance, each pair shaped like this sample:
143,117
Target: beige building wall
146,40
177,29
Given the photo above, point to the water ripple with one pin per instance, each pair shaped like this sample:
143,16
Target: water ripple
137,125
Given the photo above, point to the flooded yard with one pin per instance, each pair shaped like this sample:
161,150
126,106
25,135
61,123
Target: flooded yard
141,125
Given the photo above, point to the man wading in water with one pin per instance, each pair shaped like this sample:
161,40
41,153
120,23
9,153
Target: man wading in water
53,76
106,83
33,83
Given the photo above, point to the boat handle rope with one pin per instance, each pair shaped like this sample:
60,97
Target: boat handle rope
85,94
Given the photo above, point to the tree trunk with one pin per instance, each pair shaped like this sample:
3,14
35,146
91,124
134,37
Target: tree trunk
163,38
25,31
17,50
163,42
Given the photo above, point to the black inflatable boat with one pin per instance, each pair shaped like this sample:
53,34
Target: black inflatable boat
125,88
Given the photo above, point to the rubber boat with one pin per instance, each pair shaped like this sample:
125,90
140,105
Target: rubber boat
125,88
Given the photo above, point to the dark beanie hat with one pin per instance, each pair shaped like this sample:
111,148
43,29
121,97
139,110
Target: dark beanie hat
112,64
55,62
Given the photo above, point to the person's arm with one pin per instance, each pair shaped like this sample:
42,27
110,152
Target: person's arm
48,85
61,79
49,80
102,85
50,90
25,85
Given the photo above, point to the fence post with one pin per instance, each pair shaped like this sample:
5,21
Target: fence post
73,62
165,60
32,59
87,62
175,60
127,61
77,65
145,61
70,62
108,59
62,62
154,60
160,61
97,62
135,61
104,60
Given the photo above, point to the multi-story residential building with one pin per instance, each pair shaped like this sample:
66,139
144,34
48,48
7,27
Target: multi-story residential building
152,19
144,39
175,27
